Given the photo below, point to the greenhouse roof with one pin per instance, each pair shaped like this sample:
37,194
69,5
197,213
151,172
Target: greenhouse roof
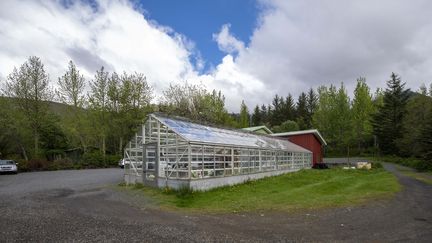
194,132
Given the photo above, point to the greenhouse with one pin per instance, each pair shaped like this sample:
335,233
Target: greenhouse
174,152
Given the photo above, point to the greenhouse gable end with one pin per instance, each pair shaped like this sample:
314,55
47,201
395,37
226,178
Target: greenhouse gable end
173,152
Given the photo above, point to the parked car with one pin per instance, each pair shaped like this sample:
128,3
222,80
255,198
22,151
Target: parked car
8,166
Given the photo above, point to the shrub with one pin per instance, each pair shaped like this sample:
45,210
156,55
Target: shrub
37,164
97,160
93,160
61,164
376,165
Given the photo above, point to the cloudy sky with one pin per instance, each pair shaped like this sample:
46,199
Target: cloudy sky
248,49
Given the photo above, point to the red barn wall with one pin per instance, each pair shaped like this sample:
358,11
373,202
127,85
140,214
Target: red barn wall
309,142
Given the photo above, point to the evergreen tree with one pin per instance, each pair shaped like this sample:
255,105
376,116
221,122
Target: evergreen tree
289,108
302,111
312,101
256,117
426,143
244,115
415,121
277,111
264,114
388,121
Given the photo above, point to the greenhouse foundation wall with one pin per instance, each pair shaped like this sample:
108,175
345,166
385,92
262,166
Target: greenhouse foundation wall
205,184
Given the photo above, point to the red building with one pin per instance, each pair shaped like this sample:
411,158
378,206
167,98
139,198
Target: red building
308,139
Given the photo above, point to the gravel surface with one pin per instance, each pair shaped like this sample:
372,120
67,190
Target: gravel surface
82,206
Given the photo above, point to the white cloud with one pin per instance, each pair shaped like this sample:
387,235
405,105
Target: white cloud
114,35
227,42
235,83
296,45
300,44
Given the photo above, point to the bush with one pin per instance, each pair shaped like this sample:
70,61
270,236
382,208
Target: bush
97,160
418,164
37,164
93,160
61,164
376,165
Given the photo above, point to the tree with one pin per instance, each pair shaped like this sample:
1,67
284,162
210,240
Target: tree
332,117
98,101
343,119
71,91
264,114
29,85
415,122
426,142
289,108
129,97
244,115
362,111
196,103
302,111
388,121
312,101
277,111
286,126
256,116
71,87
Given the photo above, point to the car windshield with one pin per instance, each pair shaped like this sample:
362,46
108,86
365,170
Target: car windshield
6,162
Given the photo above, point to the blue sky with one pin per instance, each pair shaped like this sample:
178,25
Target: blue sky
199,20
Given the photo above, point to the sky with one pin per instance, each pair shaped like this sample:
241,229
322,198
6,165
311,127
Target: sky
248,49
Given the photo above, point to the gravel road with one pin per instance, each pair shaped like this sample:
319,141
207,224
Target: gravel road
82,206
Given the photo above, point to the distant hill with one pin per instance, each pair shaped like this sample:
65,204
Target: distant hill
59,109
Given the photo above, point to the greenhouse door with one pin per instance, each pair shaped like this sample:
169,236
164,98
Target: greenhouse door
150,164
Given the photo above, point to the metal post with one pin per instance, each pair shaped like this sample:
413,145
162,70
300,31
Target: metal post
202,161
157,162
232,161
260,160
189,161
177,158
292,160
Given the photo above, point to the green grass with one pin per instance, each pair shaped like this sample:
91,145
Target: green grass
414,163
426,177
307,189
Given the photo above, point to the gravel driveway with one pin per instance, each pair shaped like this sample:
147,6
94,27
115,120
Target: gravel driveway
81,206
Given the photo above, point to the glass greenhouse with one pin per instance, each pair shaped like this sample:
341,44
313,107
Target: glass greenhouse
173,152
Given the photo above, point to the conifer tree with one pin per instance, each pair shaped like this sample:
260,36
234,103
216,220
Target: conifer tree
387,122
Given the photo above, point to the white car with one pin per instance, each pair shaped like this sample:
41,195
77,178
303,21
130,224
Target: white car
8,166
127,161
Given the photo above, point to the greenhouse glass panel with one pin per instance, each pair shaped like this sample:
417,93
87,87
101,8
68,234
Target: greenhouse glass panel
174,152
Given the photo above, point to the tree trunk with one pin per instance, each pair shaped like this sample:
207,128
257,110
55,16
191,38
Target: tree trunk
120,145
24,153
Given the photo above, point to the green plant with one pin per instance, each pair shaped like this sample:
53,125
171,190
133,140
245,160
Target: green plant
376,165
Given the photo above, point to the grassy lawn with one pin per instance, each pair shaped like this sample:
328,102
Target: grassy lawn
307,189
